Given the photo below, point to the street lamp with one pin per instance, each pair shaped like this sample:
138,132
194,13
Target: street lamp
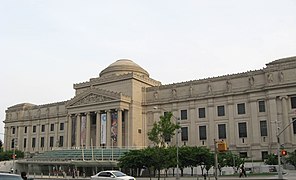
177,143
280,173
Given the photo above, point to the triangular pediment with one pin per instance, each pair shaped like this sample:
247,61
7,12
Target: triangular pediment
94,96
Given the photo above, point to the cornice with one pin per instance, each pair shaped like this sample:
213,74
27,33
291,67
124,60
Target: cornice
115,78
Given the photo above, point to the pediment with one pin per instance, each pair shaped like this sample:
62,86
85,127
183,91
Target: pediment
94,96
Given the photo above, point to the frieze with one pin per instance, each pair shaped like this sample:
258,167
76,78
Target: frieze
92,98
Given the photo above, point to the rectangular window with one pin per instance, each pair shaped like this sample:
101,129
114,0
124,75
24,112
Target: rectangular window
241,109
43,128
222,131
263,128
26,129
61,126
51,141
51,127
243,154
293,102
294,125
201,112
42,142
34,129
33,142
261,105
202,133
242,130
264,155
183,114
184,133
61,142
221,110
25,143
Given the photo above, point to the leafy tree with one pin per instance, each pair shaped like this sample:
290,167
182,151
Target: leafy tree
291,159
163,130
272,159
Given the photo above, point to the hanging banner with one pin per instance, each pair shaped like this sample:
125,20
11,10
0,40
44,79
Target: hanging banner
103,128
83,130
114,128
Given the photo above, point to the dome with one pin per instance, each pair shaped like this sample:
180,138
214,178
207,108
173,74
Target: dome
123,66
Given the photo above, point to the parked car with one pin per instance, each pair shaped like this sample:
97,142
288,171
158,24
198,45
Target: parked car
8,176
114,175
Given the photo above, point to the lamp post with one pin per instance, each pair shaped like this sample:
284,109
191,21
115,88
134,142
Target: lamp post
177,144
280,173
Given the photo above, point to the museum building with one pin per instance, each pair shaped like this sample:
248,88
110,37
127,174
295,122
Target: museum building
116,110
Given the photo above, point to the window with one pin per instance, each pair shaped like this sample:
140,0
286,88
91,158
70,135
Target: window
221,111
33,142
61,126
202,133
261,105
242,130
61,142
293,102
264,155
222,131
51,141
34,129
263,128
51,127
243,154
42,142
25,143
241,109
26,129
42,128
294,125
184,133
201,112
183,114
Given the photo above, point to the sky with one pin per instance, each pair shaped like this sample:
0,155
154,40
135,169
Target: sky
46,46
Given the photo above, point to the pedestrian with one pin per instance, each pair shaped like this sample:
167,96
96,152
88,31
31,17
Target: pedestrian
242,171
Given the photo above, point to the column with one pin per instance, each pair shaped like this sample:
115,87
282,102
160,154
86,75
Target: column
98,131
119,130
285,120
19,139
78,143
272,114
108,128
56,137
69,139
87,143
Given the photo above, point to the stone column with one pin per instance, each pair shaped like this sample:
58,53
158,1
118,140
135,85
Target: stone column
98,129
119,128
272,115
285,120
69,131
87,143
108,138
78,122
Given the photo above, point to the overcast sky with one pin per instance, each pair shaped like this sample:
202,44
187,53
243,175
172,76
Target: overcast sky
48,45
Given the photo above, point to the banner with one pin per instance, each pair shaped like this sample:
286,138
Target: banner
114,128
83,130
103,128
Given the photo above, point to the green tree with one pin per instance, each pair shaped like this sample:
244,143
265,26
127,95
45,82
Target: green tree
272,159
291,159
163,130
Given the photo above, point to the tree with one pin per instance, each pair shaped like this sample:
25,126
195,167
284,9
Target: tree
291,159
163,130
272,159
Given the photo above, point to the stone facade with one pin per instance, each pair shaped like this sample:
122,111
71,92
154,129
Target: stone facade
245,110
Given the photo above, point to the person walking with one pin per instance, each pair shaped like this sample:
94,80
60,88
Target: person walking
242,171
